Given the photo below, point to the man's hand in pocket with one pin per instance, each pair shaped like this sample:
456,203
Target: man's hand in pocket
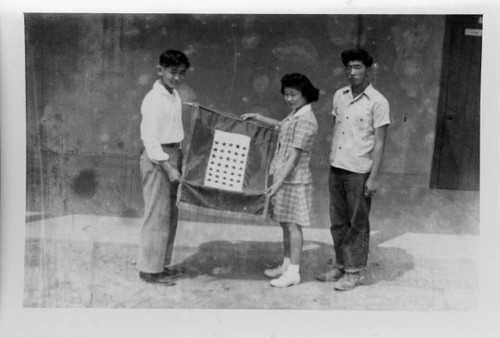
173,174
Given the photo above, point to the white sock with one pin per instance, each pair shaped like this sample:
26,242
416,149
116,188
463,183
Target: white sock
293,268
286,263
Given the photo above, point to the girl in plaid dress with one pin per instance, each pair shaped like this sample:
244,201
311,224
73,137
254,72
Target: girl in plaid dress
291,191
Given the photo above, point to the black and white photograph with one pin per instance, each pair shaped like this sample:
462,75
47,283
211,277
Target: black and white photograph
249,170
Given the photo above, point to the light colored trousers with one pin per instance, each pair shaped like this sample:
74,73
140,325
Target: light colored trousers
160,213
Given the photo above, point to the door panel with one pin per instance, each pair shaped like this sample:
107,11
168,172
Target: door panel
456,152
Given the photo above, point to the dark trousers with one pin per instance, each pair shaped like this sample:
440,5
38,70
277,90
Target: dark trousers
160,213
349,210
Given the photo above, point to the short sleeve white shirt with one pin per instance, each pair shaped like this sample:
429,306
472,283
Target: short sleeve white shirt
354,130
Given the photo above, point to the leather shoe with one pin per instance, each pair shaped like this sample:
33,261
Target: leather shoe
156,278
173,273
348,281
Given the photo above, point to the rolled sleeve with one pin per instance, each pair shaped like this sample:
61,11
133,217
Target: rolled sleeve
334,106
381,114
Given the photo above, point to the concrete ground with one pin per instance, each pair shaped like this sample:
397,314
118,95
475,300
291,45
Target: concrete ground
424,256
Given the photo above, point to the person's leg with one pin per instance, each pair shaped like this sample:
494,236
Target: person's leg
291,274
278,270
157,214
155,226
286,241
356,241
175,157
338,213
174,215
339,224
296,242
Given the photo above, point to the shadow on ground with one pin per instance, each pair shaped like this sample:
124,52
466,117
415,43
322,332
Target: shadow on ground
104,275
247,260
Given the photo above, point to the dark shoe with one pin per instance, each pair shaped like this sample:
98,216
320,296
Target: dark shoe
332,275
173,273
348,281
156,278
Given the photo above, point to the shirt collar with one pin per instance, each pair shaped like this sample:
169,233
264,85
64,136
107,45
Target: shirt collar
302,110
162,90
368,91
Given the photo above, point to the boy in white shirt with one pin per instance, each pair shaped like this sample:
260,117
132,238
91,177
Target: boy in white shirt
161,133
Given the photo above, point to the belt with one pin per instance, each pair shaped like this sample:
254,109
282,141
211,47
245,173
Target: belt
171,145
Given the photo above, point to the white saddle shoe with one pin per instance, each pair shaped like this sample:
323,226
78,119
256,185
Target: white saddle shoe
285,280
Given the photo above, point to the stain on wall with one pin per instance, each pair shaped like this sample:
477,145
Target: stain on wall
86,75
85,184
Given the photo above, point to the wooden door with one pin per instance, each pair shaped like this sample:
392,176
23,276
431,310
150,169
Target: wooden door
456,152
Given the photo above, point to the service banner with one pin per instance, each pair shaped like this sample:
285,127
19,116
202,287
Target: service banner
226,166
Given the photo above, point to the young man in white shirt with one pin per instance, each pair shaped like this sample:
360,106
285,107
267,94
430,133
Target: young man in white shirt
361,118
161,133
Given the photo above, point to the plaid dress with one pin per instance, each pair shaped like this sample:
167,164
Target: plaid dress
292,203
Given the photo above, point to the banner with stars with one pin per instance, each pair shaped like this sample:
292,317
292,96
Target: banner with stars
226,166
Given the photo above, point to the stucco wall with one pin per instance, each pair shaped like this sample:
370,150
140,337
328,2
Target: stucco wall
87,74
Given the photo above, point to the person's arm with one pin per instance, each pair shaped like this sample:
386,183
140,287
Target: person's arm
334,106
284,171
371,184
260,118
173,174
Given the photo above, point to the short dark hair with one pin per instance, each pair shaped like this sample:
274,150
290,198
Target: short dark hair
173,58
302,83
357,54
